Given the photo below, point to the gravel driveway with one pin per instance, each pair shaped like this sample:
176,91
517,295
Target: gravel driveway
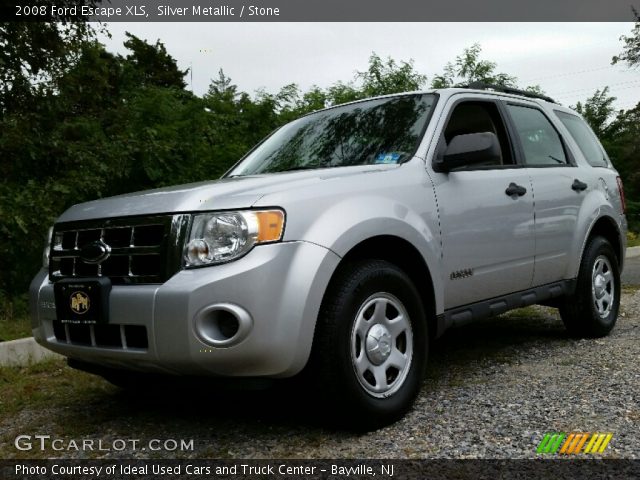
492,390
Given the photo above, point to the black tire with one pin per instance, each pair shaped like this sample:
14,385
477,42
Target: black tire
592,310
349,394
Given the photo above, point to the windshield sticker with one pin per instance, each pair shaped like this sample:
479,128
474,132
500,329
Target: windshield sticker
391,157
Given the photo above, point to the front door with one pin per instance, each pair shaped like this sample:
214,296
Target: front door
486,214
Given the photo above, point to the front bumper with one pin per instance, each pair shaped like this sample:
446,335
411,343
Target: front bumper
280,285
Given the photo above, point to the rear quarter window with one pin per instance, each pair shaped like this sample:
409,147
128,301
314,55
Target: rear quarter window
585,138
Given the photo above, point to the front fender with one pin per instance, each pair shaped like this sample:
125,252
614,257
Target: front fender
348,223
340,213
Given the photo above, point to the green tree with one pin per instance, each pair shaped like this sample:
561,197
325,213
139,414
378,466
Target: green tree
222,90
151,65
314,99
627,159
96,125
598,110
341,92
236,121
468,68
631,51
386,76
626,147
34,54
619,133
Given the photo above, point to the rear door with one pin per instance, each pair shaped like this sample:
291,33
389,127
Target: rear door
559,188
487,234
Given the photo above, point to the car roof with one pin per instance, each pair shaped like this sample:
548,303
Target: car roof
494,90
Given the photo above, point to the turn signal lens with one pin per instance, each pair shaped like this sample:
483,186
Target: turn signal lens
270,225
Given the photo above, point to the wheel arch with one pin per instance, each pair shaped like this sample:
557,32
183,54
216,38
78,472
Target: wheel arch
605,226
405,256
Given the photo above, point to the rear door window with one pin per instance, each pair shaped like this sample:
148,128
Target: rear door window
541,143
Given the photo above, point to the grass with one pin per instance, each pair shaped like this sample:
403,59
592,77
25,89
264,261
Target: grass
633,239
50,398
22,386
40,389
11,329
14,318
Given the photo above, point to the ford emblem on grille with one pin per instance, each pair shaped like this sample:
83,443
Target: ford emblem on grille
95,252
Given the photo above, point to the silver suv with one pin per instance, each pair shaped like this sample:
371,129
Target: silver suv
341,245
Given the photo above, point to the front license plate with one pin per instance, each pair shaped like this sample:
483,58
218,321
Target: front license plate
84,302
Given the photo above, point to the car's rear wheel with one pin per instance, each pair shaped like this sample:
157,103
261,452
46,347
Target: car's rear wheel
592,310
370,347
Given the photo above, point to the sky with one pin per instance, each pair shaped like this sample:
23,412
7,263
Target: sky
568,60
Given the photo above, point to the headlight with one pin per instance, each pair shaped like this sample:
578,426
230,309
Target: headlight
47,248
224,236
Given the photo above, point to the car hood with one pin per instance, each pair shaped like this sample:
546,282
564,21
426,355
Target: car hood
224,194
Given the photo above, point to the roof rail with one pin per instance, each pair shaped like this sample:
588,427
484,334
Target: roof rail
503,89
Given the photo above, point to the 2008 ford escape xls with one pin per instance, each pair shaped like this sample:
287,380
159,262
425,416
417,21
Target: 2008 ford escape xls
341,245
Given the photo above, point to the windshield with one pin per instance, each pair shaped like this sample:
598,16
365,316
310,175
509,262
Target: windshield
381,131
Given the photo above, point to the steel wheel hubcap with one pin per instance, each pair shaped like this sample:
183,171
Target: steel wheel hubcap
378,344
381,345
602,286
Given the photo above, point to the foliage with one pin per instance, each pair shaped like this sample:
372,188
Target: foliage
597,111
468,68
151,65
626,145
631,51
34,54
385,77
619,133
103,125
14,317
633,239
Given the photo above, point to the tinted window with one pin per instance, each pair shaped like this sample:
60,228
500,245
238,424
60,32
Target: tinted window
386,130
585,138
540,141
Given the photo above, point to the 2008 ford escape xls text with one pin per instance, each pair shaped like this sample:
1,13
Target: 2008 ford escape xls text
342,245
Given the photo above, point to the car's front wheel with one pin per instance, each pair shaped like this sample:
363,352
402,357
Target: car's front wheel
370,347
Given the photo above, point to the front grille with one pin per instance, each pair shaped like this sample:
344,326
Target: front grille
141,249
124,337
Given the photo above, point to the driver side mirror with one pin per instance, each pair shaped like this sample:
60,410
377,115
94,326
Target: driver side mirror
469,149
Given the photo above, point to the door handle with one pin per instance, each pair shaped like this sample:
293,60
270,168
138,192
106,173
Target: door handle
515,189
578,186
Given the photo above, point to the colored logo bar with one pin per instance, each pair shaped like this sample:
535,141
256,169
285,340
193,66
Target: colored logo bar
574,443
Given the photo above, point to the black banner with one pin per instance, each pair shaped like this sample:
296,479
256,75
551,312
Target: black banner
199,469
319,11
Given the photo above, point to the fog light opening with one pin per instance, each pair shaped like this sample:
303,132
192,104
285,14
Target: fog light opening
222,325
226,323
